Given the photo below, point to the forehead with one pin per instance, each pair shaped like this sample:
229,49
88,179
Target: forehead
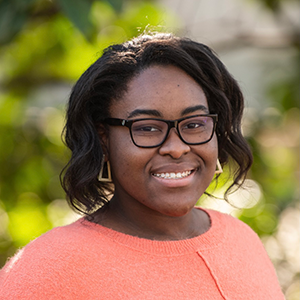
166,89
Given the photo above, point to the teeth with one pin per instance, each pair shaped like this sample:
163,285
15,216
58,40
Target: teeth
173,175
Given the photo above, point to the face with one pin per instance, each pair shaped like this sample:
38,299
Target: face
164,92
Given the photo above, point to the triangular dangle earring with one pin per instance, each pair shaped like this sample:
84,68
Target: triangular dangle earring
100,176
219,169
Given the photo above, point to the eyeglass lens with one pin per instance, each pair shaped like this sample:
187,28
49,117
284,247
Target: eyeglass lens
196,130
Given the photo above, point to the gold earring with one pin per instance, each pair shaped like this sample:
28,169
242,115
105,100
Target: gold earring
219,169
100,176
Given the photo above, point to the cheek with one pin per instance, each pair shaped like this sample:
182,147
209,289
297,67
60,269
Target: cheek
210,150
209,154
214,154
214,145
126,159
117,150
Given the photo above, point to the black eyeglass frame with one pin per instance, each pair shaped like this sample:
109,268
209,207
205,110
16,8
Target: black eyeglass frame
170,123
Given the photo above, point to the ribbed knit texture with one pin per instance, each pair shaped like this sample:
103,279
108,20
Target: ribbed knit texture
88,261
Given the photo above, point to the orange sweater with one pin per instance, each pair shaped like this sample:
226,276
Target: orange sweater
88,261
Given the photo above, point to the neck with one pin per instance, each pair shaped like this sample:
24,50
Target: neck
145,223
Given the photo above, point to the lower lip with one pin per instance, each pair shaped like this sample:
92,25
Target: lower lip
175,183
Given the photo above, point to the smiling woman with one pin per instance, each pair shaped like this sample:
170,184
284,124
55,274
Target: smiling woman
155,117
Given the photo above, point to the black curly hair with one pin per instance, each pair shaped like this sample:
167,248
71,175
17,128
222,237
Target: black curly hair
107,79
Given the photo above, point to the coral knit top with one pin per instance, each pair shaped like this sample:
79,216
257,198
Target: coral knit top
88,261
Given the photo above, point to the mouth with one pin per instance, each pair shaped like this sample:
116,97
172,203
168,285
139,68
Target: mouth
173,175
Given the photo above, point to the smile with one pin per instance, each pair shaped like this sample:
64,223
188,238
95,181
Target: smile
173,175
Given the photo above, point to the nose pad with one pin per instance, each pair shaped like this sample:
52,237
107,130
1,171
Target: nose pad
173,145
174,129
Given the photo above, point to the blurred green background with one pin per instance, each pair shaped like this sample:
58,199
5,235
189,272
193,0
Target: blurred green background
46,45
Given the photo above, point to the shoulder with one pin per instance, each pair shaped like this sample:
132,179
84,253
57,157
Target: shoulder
49,262
47,245
58,243
57,239
236,236
231,225
240,243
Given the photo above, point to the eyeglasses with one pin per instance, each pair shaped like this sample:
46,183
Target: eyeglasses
151,132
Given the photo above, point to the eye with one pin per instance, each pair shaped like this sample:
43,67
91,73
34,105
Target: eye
147,128
193,124
197,124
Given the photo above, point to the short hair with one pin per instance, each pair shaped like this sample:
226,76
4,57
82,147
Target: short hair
107,79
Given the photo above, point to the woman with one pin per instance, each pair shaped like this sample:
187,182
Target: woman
156,116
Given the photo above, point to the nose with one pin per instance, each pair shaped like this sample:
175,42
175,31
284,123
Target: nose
173,145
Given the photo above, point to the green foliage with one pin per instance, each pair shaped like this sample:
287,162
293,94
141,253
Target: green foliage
40,58
15,14
78,12
274,5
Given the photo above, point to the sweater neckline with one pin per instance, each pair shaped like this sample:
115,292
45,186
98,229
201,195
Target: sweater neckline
212,238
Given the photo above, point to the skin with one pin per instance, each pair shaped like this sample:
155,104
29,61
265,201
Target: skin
144,205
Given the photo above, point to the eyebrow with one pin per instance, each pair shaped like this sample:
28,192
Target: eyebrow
156,113
192,109
150,112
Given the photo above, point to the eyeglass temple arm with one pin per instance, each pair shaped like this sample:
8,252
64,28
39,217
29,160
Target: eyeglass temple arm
116,122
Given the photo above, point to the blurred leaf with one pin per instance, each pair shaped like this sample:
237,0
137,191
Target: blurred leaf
78,11
116,4
12,19
28,219
272,4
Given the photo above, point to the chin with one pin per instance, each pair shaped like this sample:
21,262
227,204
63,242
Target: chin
177,212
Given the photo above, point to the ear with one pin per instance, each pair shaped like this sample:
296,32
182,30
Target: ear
103,137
